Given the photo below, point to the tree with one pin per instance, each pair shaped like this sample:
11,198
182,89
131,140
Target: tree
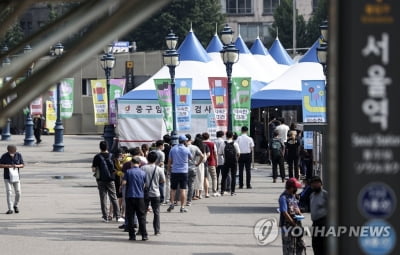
320,14
283,26
180,16
13,36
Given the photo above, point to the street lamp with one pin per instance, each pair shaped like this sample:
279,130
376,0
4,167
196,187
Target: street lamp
229,55
29,140
107,63
322,50
5,132
171,59
58,145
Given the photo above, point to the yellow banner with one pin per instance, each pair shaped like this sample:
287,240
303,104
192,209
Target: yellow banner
100,101
51,116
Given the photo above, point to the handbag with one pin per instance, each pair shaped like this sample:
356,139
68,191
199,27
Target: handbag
146,189
14,175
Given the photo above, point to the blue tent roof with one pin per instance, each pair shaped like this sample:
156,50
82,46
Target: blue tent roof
241,46
311,54
215,45
258,48
280,54
191,49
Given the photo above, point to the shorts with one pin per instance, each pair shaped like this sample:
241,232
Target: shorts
205,171
179,179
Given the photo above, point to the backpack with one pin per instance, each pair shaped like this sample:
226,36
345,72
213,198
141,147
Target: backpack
106,168
276,148
229,152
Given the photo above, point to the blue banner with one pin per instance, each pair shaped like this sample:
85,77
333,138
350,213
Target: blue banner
313,95
183,101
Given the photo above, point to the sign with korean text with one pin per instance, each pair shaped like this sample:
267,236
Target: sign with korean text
163,89
219,99
183,101
314,101
117,87
51,116
240,100
36,107
368,83
100,101
67,98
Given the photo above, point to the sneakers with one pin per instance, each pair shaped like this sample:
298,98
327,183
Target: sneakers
188,203
216,194
9,212
233,194
120,220
184,210
16,210
170,208
105,219
145,238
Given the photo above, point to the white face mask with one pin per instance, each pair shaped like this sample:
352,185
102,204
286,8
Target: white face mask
12,155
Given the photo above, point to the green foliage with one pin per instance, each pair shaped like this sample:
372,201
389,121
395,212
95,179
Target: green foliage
13,36
306,33
180,16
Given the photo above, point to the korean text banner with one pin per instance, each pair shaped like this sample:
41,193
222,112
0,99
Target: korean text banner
183,101
163,89
99,91
240,100
314,101
36,107
218,94
117,87
67,98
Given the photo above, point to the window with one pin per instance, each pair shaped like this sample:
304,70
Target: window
315,4
86,87
239,7
250,31
270,6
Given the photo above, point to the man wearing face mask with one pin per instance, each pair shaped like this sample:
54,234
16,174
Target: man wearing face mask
288,207
319,211
11,162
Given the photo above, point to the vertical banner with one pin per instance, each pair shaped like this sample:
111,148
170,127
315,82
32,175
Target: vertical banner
314,101
164,94
51,116
99,92
368,138
67,98
219,95
36,107
183,101
129,76
117,87
240,100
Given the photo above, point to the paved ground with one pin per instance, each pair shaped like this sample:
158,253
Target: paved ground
60,212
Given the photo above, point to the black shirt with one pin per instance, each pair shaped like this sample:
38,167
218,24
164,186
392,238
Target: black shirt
6,159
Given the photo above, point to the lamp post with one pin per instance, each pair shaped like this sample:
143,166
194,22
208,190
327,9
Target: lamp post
107,63
58,145
322,50
29,140
171,59
230,55
5,132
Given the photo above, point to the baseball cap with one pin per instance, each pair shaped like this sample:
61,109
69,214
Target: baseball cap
293,182
182,138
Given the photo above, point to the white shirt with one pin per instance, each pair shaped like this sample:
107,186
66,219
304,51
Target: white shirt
246,144
283,130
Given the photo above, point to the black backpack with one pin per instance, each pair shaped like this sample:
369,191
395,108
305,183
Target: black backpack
276,148
229,153
106,168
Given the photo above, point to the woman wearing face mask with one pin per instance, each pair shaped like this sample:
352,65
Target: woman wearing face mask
319,212
11,162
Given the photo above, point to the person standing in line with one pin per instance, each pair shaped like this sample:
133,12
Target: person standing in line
38,122
220,158
199,183
319,213
283,130
246,146
103,168
154,177
277,157
197,159
134,180
293,151
178,166
167,185
231,153
12,161
211,163
160,162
